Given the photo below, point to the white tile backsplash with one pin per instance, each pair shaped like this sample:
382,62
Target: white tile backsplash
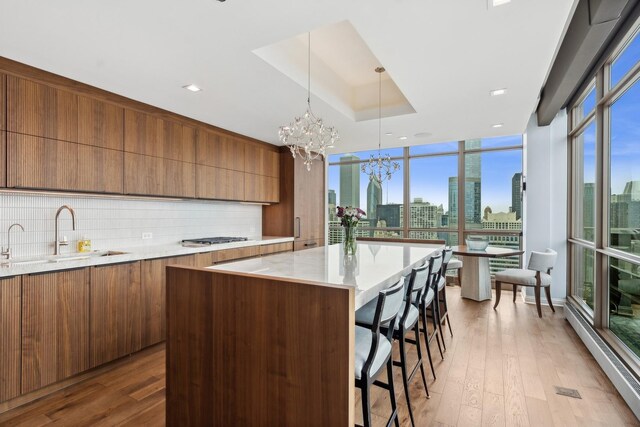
112,223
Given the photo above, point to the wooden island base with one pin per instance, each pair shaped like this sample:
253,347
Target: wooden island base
255,351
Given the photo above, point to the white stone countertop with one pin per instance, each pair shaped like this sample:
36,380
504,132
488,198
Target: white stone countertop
374,267
17,266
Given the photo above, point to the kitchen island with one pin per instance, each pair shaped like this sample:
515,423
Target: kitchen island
270,341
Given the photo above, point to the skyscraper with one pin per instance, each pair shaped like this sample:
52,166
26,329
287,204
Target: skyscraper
516,194
374,198
332,197
350,181
472,189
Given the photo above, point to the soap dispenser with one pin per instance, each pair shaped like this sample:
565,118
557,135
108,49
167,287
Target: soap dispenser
84,245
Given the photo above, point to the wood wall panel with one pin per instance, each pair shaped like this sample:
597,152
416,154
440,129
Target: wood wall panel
260,188
100,124
100,169
220,151
41,110
115,312
153,297
218,183
254,351
35,162
55,327
9,338
276,248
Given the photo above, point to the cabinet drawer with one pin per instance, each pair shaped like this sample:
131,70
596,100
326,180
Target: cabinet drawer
275,248
237,253
307,244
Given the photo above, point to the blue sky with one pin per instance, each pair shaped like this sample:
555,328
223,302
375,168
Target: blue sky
429,176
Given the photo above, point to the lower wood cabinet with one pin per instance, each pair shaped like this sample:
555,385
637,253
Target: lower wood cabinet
236,253
55,327
9,338
307,244
115,312
153,297
275,248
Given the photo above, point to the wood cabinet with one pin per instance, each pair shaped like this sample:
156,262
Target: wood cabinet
275,248
262,160
300,212
42,163
153,136
220,151
9,338
35,162
55,327
237,253
147,175
3,158
261,188
100,124
3,104
41,110
115,317
152,301
218,183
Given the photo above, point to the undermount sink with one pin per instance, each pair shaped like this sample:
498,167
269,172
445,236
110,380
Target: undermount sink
62,258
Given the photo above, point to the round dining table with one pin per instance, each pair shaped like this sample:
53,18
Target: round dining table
475,275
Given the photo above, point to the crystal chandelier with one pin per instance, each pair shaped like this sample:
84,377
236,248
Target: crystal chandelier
308,136
380,168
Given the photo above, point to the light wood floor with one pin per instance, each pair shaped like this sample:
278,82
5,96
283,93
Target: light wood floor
499,370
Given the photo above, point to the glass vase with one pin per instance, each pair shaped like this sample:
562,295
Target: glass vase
350,240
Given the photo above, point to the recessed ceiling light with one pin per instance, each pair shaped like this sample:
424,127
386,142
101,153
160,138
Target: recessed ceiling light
422,135
497,125
498,92
389,133
192,88
402,138
499,2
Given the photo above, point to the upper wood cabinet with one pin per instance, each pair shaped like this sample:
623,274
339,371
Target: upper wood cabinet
147,175
150,135
300,212
41,110
100,124
261,160
260,188
42,163
114,312
3,98
218,183
55,327
3,158
221,151
10,338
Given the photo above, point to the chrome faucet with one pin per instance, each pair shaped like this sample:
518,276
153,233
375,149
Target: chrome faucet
73,223
7,253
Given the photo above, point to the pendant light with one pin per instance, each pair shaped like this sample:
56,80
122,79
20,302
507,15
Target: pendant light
380,168
308,136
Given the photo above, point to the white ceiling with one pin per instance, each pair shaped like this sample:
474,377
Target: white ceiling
444,55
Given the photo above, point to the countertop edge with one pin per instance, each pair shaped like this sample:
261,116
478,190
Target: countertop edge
133,254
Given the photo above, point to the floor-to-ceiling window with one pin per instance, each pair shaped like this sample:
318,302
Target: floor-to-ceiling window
422,201
604,238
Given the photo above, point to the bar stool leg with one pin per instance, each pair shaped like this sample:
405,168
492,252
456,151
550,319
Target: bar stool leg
405,378
419,347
